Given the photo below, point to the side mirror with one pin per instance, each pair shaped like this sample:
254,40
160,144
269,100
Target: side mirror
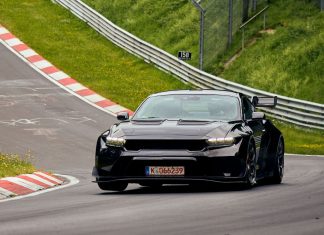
264,101
258,115
122,116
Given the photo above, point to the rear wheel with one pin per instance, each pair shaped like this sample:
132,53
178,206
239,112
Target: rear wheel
113,186
279,165
250,167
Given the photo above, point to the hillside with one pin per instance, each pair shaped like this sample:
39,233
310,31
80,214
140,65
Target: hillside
171,25
287,61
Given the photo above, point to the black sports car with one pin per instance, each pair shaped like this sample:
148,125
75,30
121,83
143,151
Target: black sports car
191,136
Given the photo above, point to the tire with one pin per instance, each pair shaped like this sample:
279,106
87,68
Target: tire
250,167
113,186
279,165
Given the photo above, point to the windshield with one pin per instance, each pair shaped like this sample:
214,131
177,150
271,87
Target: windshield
194,107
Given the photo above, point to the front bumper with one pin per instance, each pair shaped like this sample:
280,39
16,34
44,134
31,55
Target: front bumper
224,165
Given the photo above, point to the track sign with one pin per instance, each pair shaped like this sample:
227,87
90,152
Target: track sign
184,55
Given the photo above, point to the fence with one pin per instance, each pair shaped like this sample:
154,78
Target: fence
221,21
295,111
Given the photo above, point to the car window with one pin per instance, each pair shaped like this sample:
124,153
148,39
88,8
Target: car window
248,108
190,107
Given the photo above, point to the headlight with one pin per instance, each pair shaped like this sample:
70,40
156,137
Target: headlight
221,141
116,142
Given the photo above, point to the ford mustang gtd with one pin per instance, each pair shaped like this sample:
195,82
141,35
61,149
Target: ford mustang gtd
184,137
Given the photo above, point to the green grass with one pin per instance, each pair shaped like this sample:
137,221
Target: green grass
301,140
290,61
74,47
88,57
12,165
172,25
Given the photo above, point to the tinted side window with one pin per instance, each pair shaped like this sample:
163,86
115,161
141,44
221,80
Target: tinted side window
247,108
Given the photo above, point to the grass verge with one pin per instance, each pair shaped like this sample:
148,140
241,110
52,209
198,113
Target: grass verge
13,164
74,47
88,57
288,62
172,25
301,140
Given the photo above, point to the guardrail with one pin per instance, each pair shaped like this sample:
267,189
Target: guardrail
300,112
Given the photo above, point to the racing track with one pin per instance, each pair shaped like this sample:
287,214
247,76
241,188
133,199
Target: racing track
61,131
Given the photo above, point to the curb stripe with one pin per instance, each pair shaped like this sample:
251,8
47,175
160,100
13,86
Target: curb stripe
67,81
76,87
30,179
51,69
24,183
94,98
43,177
49,177
6,192
35,177
35,58
28,53
85,92
7,36
43,64
13,42
3,30
105,103
116,108
27,184
15,188
20,47
57,76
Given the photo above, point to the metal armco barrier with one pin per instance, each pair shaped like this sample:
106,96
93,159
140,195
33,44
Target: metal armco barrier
300,112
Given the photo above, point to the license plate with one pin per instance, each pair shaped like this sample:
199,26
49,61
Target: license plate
164,170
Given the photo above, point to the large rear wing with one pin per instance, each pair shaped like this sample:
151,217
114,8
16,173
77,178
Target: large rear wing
264,101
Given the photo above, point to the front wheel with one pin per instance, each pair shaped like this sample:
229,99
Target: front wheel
250,167
279,165
113,186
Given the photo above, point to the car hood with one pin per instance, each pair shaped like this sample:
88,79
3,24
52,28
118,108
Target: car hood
170,129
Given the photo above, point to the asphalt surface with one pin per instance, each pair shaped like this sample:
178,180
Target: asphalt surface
60,131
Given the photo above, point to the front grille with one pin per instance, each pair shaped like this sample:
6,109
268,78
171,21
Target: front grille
191,145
